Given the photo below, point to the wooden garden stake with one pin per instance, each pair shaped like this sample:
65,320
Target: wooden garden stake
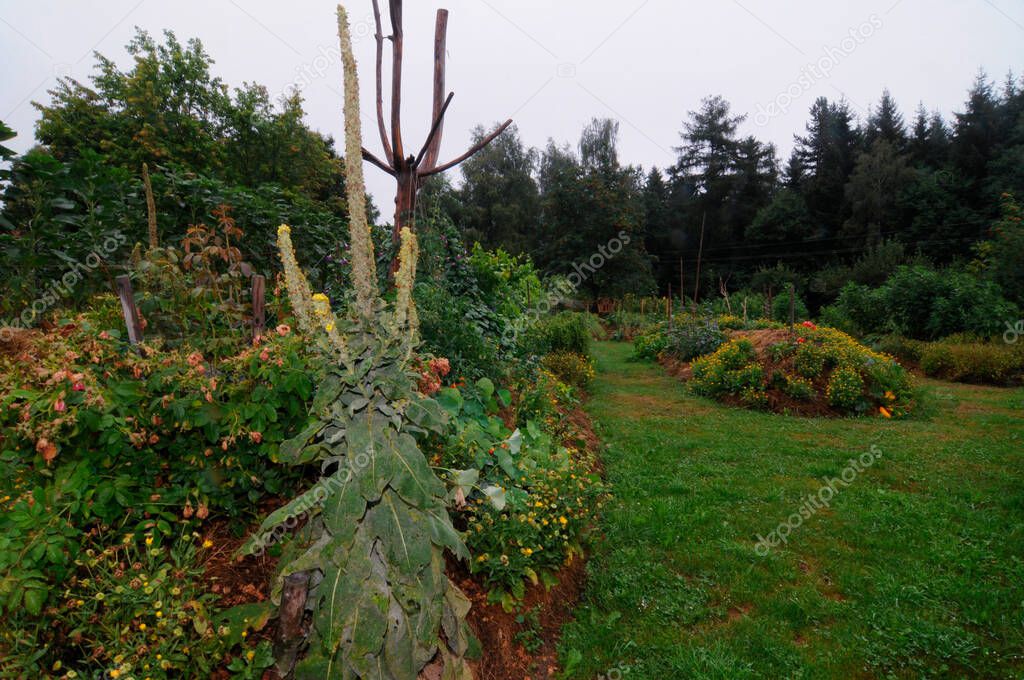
792,307
259,302
410,171
289,638
128,309
700,253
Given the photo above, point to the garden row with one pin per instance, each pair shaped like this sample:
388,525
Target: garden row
131,474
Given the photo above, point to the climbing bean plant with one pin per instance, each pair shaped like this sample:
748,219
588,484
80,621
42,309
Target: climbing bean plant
382,604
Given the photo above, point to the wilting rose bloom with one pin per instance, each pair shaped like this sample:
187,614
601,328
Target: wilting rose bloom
284,329
256,437
264,355
104,336
47,449
79,386
59,406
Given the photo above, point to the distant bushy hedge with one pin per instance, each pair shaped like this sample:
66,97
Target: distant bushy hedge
923,303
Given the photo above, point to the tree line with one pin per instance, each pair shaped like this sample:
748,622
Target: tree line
926,188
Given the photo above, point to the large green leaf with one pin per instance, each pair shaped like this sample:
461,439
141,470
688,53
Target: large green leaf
414,480
404,533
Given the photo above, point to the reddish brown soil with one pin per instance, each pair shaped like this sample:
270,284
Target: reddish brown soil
504,656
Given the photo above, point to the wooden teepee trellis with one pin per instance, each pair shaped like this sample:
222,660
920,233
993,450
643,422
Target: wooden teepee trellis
410,171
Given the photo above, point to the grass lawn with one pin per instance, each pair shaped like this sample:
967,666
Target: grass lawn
915,569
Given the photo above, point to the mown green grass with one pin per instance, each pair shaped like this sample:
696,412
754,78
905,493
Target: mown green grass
915,570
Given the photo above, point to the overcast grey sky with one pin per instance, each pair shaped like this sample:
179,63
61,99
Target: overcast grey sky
550,65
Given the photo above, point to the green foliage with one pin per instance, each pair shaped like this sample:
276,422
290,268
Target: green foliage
1002,257
571,368
169,109
530,502
650,342
845,387
974,362
780,308
87,441
562,332
924,303
732,370
137,608
690,338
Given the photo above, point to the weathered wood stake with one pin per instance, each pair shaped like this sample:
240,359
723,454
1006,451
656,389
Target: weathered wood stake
128,309
259,302
289,638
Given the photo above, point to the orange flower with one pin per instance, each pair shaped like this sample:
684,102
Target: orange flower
885,412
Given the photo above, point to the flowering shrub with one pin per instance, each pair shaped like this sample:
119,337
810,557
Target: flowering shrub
93,434
527,502
135,609
818,365
571,368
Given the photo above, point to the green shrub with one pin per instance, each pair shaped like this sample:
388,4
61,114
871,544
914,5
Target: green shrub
574,369
973,362
855,379
732,370
798,388
905,349
780,308
693,338
651,341
924,304
562,332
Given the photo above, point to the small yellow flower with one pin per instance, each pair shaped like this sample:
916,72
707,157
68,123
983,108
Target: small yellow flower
142,626
115,673
159,615
207,543
250,655
284,229
149,540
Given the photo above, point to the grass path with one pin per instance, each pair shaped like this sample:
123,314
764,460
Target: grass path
915,569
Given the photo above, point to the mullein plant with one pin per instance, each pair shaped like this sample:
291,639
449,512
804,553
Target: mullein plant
382,605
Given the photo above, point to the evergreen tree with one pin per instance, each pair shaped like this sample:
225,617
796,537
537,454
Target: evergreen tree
886,123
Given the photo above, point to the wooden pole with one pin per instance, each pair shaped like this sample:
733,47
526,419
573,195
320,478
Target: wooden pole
792,307
700,253
259,311
682,287
289,638
128,309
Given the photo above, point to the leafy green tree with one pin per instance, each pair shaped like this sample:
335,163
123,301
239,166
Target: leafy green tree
169,109
500,199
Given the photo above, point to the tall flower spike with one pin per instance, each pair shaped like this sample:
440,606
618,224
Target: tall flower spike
329,323
364,265
295,281
405,278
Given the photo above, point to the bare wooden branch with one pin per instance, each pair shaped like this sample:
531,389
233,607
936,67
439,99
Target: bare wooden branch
440,66
435,132
477,148
397,150
368,156
381,125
